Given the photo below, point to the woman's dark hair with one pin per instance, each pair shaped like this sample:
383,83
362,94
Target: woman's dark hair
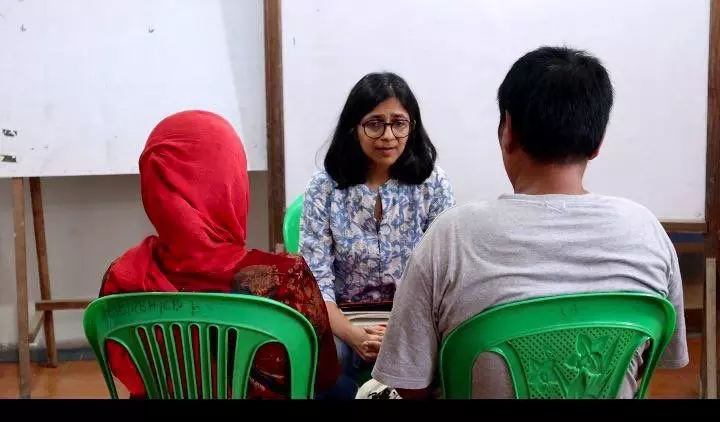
345,160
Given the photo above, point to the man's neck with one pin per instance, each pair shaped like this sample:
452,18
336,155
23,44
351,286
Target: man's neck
551,179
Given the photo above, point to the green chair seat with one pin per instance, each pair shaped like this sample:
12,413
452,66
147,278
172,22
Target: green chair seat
574,346
229,328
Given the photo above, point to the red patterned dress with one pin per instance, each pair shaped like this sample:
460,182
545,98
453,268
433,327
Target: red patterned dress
287,279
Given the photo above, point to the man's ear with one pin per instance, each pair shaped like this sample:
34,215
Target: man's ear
505,134
597,150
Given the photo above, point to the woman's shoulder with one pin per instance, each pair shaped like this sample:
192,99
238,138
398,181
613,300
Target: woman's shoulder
438,179
319,190
277,261
438,175
437,189
321,180
320,187
260,272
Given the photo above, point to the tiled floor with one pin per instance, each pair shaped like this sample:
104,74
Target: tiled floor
82,379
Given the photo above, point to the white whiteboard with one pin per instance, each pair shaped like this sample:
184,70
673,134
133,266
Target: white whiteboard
454,54
83,82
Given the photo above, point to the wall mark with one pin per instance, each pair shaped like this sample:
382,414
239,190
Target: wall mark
8,158
9,132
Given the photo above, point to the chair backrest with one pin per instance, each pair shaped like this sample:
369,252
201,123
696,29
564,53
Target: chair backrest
291,225
574,346
190,345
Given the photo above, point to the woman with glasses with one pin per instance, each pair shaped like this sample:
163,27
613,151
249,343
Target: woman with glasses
364,213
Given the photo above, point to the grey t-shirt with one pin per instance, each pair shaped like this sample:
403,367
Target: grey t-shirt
518,247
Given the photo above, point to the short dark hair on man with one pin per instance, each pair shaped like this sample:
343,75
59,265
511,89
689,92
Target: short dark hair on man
559,100
345,161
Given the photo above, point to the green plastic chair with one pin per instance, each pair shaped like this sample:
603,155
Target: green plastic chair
574,346
215,319
291,225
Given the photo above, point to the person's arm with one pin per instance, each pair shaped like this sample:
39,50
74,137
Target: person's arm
316,246
676,354
365,341
287,279
408,357
328,368
442,197
316,242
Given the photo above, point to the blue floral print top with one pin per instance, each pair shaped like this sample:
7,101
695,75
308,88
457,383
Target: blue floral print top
354,257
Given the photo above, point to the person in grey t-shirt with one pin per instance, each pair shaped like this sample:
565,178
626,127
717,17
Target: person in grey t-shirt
550,237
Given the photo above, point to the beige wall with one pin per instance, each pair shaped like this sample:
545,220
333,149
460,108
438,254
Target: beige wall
89,221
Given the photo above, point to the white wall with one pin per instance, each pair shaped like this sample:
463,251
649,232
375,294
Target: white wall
454,54
89,221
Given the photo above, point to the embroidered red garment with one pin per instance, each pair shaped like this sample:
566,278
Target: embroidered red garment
195,190
287,279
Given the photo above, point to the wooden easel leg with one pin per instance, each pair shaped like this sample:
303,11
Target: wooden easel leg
44,273
18,188
710,358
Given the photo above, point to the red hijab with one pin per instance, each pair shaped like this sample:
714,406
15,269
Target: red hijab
194,184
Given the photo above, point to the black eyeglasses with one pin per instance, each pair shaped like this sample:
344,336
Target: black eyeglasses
376,128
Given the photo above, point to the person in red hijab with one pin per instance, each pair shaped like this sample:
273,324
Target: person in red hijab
195,190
